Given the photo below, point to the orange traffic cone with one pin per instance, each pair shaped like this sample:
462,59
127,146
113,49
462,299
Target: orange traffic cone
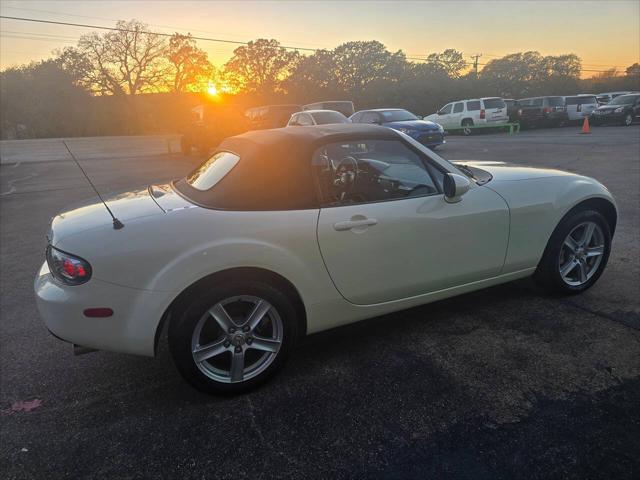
585,126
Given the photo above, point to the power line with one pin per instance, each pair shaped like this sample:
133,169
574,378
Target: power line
173,27
115,29
219,40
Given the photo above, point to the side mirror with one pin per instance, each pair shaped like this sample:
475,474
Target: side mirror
455,186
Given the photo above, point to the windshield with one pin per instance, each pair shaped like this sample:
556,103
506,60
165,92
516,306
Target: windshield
212,171
324,118
624,100
398,116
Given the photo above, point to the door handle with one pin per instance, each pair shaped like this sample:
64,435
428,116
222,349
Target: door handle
351,224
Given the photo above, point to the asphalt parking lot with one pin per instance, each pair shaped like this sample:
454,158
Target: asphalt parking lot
501,383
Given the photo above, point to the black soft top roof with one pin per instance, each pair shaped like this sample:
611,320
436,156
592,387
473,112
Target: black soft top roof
274,171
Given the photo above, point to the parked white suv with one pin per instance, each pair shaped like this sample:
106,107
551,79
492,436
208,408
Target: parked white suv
580,106
467,113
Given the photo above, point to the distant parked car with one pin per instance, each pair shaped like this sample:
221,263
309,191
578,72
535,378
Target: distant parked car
580,106
208,125
316,117
606,97
427,133
343,106
542,112
270,116
467,113
623,109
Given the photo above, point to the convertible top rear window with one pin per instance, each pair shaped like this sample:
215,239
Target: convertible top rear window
212,171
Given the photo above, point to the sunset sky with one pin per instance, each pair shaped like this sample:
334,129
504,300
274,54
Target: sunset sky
603,33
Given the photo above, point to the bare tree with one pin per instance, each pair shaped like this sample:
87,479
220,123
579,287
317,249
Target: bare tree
191,69
128,60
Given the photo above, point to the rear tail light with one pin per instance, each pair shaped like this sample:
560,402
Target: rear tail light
68,268
546,110
519,112
482,113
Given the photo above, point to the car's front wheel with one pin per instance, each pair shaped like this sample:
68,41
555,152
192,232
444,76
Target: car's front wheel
577,253
234,337
467,123
628,119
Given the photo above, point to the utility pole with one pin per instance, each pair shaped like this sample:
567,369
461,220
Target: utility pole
475,62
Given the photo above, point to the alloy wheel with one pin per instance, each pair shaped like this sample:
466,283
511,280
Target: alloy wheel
581,254
237,339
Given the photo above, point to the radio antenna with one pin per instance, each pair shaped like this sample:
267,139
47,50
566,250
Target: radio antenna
117,224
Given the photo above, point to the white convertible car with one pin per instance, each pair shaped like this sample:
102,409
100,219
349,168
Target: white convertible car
286,232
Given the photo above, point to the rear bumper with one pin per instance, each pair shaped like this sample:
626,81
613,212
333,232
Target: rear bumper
131,328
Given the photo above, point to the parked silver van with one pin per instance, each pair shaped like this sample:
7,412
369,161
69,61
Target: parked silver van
580,106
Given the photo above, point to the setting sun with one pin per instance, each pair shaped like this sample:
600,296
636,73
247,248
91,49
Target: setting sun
212,89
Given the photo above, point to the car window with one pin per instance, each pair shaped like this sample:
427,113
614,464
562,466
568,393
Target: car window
294,120
494,103
212,171
624,100
370,171
370,117
536,102
305,120
397,116
324,118
524,102
581,100
473,105
458,107
555,101
446,109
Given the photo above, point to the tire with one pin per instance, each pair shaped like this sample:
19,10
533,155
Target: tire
467,122
185,147
628,120
196,327
559,255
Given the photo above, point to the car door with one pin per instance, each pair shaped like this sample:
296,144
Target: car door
386,232
444,116
457,113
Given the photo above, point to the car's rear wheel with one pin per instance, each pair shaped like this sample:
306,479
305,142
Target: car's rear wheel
466,124
628,119
577,253
233,338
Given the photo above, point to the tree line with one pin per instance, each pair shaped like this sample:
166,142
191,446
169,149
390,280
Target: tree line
102,85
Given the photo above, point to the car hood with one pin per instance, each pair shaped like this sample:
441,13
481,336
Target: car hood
413,124
126,207
501,171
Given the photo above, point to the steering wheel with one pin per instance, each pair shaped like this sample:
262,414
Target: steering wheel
346,173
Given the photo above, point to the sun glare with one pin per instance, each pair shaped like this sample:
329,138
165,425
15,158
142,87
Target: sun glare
212,89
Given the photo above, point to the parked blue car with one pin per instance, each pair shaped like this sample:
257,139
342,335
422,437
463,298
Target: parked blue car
429,134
